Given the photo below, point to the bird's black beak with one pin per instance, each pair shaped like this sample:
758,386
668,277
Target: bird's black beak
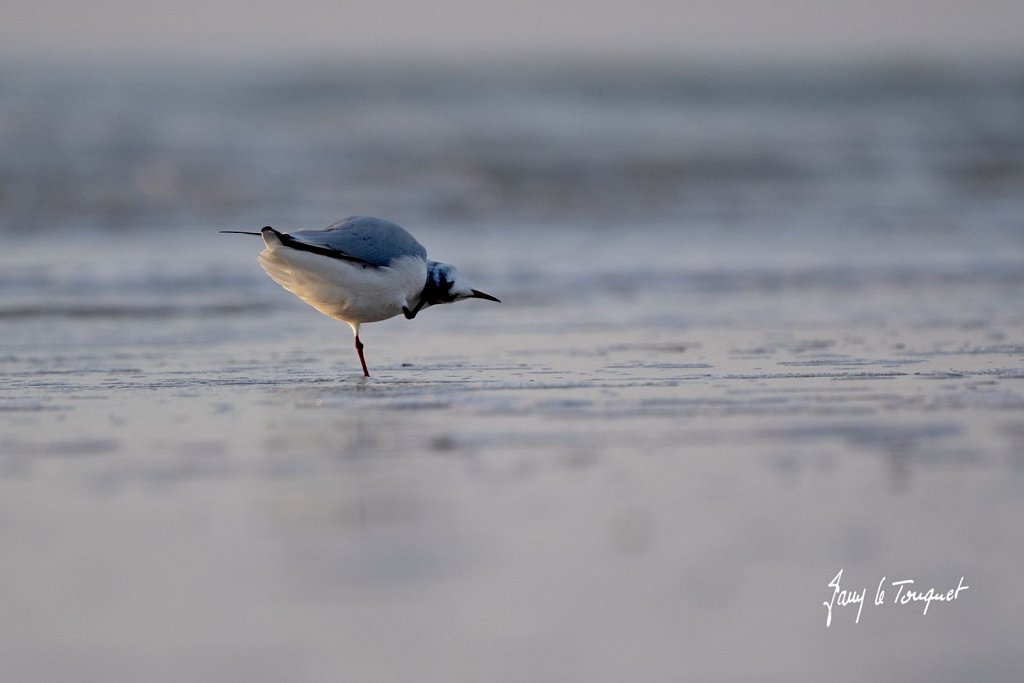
477,294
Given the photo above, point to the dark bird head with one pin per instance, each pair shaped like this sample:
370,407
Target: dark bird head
445,285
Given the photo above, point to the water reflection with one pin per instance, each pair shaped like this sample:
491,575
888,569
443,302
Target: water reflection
754,333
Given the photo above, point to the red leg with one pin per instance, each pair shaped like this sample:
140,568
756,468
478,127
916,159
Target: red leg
362,361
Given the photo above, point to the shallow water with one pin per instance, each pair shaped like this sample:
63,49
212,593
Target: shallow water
647,463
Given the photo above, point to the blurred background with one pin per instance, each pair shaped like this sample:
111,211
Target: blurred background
785,116
761,267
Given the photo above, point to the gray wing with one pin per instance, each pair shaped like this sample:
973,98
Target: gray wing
372,240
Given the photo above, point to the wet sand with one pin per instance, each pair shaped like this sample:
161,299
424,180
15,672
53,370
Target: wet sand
640,466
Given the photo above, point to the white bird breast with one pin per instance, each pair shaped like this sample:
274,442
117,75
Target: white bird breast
347,291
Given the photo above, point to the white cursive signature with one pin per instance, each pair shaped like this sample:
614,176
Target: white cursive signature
905,594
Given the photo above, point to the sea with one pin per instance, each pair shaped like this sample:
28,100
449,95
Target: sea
751,406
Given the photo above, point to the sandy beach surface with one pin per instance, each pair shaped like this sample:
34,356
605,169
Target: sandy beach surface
716,380
621,472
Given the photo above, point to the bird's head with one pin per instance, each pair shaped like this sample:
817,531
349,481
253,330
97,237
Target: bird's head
445,285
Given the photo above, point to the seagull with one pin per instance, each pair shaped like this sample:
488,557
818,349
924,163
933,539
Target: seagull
360,270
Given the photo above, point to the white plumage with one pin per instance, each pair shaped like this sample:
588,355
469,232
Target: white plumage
361,270
347,291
